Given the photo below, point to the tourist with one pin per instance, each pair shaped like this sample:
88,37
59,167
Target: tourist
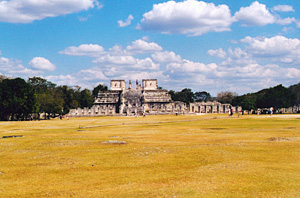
271,110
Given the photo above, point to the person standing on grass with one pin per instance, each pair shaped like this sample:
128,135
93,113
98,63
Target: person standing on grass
271,110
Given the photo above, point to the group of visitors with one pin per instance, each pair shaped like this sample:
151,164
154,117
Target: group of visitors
61,117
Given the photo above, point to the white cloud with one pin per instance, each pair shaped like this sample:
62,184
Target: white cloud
237,57
220,53
117,50
63,80
166,57
147,64
277,48
258,14
293,73
283,8
91,75
143,47
127,22
116,60
288,29
41,63
84,78
84,19
241,71
14,68
145,75
255,14
26,11
190,17
237,53
286,21
92,50
121,64
188,66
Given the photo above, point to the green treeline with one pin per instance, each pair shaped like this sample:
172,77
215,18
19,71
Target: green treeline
21,100
276,97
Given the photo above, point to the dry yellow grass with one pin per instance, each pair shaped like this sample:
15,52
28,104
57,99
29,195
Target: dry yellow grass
165,156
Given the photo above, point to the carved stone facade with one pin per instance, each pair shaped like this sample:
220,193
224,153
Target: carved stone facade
143,100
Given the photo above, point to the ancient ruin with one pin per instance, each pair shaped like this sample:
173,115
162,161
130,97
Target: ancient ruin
145,99
212,107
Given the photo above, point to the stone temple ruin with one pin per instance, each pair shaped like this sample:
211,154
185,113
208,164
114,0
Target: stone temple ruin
145,99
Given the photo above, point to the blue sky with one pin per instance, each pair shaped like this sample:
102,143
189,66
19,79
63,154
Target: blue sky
214,46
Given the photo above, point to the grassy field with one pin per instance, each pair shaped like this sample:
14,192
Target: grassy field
163,156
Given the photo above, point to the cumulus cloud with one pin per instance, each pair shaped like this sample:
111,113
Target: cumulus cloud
116,60
145,75
147,64
220,53
190,17
85,78
166,57
41,63
237,53
26,11
255,14
260,63
258,14
127,22
277,48
92,50
63,79
188,66
292,73
121,64
14,68
283,8
143,47
285,21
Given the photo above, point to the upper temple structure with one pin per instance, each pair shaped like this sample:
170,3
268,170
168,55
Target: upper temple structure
145,99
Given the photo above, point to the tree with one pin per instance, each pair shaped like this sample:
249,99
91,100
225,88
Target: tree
40,85
42,89
202,96
85,98
244,102
277,97
17,99
96,90
52,103
172,94
186,95
226,97
2,77
295,90
68,95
